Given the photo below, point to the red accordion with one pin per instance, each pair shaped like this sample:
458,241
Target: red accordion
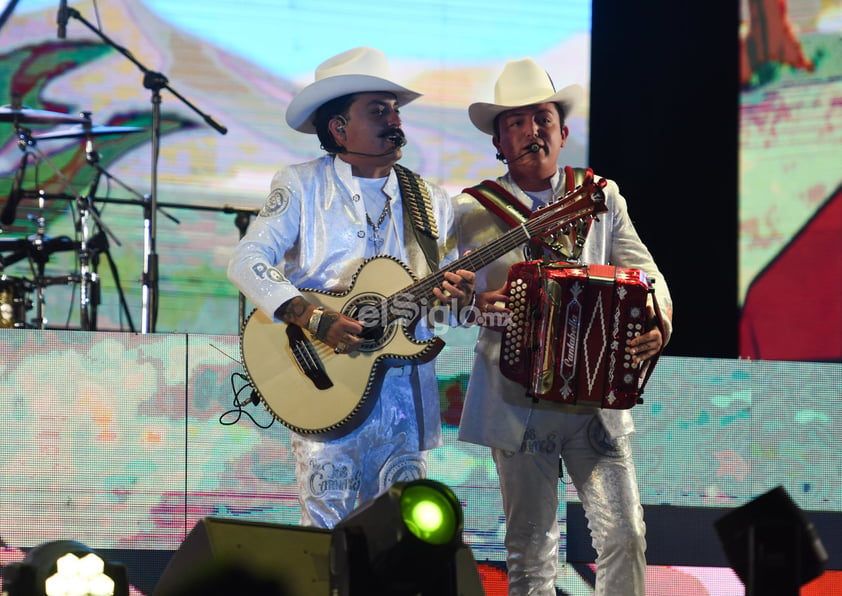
566,339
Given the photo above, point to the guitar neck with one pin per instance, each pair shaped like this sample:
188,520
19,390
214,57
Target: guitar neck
421,292
575,205
472,261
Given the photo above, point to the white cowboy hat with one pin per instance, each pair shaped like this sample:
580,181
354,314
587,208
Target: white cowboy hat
522,83
360,70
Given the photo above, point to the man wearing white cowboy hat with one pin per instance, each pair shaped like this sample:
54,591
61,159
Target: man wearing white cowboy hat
321,221
527,437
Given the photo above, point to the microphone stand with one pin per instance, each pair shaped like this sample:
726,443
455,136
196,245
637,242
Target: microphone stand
153,81
242,222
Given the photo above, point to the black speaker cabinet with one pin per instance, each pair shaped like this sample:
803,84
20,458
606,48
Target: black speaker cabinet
276,559
771,545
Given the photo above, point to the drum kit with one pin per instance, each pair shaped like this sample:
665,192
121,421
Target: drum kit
14,301
18,295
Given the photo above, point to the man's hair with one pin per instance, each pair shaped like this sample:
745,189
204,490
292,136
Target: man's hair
340,106
558,108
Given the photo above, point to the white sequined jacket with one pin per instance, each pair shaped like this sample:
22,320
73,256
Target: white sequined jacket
497,411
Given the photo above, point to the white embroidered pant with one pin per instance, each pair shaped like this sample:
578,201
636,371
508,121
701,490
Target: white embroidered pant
336,476
603,473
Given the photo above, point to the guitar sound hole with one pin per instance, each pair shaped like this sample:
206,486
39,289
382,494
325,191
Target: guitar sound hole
369,310
372,333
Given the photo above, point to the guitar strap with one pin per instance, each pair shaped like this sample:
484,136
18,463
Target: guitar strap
418,205
504,205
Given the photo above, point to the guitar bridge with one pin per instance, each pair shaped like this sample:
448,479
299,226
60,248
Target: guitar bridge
307,357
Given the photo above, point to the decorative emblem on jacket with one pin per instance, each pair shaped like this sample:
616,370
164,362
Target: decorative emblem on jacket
276,203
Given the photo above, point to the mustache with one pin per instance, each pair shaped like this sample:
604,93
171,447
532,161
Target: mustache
396,135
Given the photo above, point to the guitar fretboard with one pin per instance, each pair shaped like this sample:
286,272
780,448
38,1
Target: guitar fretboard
580,203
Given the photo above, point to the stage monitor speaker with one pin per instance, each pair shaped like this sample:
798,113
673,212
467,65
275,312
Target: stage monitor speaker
278,559
771,545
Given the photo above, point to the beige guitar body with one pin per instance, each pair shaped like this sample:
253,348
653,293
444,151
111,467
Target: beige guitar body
277,363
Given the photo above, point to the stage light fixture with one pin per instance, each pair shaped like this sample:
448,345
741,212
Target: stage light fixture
771,545
64,568
407,541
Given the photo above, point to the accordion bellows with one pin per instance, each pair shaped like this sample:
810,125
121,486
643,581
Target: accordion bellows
566,339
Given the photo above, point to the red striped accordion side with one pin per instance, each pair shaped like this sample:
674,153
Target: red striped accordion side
566,339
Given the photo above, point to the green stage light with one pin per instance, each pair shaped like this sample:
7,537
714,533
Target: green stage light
405,542
429,513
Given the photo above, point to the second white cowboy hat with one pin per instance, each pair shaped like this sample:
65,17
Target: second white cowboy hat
360,70
522,83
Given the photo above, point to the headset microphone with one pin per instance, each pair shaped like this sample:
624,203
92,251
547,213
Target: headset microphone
397,138
533,148
346,152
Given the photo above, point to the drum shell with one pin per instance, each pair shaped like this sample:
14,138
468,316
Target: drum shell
14,302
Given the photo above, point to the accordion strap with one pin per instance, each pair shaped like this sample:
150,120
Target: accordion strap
650,364
505,205
500,202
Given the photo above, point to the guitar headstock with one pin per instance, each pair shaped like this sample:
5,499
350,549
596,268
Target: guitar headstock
585,201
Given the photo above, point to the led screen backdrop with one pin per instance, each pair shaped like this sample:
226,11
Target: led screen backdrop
790,269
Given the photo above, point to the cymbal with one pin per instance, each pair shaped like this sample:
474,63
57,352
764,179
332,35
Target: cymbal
26,115
83,131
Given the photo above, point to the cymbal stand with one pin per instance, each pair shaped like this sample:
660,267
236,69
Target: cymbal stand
39,257
24,142
154,81
88,279
36,252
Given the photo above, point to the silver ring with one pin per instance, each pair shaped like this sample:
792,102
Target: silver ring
340,347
